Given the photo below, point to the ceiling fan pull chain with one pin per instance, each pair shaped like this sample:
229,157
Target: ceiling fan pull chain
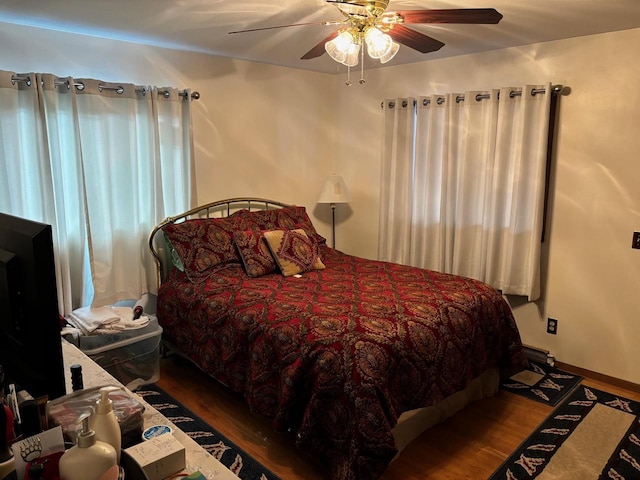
362,80
348,82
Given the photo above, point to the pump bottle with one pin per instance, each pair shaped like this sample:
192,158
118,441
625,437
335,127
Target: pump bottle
104,422
89,459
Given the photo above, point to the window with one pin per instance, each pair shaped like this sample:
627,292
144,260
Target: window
102,164
463,184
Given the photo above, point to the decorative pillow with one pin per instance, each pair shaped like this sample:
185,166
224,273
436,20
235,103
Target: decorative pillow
254,253
293,251
203,244
288,218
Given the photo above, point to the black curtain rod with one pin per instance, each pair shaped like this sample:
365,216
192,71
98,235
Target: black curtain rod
555,90
117,88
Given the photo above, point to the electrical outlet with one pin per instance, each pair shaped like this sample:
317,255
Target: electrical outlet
552,326
635,243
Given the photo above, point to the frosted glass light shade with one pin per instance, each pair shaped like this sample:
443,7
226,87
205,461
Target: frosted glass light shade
341,46
352,57
390,53
334,52
334,191
378,43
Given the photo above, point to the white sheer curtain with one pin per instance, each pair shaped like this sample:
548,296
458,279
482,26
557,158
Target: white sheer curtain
101,164
396,194
471,190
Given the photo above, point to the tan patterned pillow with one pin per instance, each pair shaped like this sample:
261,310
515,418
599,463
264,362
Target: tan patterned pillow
294,251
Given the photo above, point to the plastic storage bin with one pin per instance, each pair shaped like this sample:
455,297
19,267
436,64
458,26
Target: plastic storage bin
133,357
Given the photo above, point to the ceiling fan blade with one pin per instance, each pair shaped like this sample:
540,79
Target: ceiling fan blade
456,15
318,50
416,40
336,22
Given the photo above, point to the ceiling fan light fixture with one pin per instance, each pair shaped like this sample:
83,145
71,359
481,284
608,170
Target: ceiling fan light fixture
368,22
341,46
378,43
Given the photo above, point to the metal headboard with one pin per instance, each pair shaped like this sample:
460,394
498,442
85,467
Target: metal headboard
221,208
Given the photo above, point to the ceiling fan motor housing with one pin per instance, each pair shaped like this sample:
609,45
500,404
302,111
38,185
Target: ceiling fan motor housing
363,8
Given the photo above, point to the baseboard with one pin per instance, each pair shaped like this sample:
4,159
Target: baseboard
617,382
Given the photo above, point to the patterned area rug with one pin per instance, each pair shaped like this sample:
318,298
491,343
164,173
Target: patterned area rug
592,435
228,453
542,383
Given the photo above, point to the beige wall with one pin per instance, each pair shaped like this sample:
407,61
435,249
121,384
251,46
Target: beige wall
275,132
592,276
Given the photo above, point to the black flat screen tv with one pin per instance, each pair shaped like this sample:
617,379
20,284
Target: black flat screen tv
30,343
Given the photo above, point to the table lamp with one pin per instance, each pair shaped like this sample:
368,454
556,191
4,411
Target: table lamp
333,192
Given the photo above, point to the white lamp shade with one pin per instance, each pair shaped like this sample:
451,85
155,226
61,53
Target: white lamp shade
334,191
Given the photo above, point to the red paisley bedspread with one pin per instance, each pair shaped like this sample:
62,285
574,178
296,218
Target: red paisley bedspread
337,355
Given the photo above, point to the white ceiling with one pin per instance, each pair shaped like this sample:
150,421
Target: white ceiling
203,25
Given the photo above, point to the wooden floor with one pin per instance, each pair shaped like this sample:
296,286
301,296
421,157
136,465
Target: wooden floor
470,445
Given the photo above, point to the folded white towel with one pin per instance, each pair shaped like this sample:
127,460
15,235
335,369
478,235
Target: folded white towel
89,319
100,320
124,324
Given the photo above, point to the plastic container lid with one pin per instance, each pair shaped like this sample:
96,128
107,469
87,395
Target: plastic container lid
155,431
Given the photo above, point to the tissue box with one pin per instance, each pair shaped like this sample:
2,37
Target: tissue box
159,457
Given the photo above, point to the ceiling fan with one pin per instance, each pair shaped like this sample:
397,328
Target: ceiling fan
366,22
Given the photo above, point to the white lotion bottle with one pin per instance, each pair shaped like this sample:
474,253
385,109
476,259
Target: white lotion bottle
104,422
89,459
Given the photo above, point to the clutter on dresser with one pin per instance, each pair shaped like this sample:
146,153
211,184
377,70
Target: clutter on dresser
70,425
96,434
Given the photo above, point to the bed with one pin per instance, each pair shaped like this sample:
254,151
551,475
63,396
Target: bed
352,356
